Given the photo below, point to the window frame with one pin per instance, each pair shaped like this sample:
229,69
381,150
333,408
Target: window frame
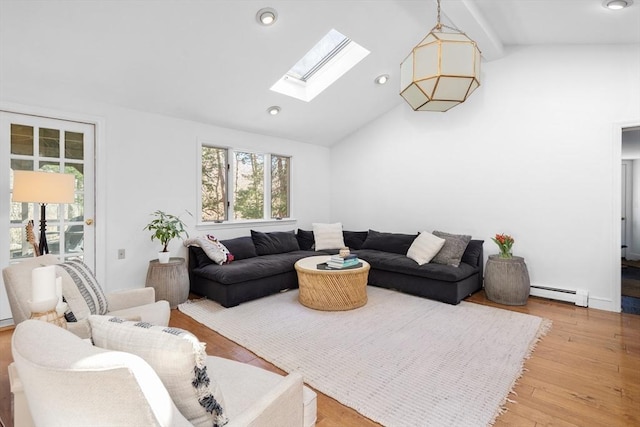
229,221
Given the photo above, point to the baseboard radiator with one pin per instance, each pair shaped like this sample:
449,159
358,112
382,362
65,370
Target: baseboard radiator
577,296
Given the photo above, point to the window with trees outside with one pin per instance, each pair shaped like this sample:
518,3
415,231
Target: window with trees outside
241,185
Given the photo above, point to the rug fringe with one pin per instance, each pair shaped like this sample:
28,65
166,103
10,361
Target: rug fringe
545,327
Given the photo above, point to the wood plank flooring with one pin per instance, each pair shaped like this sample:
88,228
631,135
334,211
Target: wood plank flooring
585,372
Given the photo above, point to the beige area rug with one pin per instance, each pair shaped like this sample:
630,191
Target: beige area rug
399,360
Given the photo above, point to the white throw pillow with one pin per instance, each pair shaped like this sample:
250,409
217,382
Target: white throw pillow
177,356
425,247
328,236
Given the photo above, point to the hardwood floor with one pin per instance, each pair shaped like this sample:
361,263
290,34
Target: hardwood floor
585,372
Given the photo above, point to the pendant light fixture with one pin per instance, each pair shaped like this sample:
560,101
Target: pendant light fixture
441,71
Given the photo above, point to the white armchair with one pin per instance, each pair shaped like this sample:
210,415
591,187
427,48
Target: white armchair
65,381
138,303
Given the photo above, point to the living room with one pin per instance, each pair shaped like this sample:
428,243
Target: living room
534,152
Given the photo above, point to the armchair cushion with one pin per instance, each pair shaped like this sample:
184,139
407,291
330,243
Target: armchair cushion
120,300
68,382
178,358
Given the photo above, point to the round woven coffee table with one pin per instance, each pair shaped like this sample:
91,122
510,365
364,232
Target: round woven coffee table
331,290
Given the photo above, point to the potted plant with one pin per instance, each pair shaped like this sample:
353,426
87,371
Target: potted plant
165,227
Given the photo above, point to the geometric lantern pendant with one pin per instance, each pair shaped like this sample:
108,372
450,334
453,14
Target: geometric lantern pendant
441,71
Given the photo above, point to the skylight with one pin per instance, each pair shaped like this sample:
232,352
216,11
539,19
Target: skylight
320,54
326,62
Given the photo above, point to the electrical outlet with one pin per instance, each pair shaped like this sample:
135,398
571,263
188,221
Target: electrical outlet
120,253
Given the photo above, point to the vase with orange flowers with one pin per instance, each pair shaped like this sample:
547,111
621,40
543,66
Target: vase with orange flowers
504,242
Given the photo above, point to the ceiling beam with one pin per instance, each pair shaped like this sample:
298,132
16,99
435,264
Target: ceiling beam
464,15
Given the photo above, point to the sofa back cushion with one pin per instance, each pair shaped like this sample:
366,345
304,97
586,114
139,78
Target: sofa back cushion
200,256
473,253
276,242
305,239
176,355
389,242
241,247
354,239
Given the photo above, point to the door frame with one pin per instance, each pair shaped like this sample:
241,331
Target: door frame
626,184
616,214
99,169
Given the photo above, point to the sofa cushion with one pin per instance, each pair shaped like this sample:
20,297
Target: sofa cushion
305,239
453,249
252,268
398,263
81,289
389,242
178,358
241,247
276,242
354,239
328,236
425,247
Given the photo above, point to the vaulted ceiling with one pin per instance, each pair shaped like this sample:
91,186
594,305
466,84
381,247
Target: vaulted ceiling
210,61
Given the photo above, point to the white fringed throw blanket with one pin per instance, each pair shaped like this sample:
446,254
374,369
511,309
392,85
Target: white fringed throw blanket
399,360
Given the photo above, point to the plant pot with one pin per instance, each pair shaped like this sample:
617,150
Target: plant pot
163,257
506,280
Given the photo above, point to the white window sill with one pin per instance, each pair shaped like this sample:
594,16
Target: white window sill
244,224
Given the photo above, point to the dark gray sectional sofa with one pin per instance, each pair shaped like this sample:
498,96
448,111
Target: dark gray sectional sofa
264,265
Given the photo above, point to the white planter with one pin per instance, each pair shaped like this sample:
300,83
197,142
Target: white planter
163,257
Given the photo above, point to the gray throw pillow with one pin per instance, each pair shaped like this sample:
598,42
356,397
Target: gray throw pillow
453,249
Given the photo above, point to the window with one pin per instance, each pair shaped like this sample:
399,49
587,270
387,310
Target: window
242,185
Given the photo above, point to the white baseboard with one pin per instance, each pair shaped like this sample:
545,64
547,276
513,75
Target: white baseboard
578,297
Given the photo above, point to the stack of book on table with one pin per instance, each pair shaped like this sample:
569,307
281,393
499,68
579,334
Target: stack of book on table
337,262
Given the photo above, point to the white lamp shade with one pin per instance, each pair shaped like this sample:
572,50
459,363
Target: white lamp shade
440,72
43,187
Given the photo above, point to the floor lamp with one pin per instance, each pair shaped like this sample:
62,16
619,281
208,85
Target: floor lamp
43,188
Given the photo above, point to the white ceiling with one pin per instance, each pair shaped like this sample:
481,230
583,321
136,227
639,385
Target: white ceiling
210,61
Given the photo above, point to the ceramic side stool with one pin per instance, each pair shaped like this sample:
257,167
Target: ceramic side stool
506,280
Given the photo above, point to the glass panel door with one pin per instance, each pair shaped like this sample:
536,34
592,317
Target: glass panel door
41,144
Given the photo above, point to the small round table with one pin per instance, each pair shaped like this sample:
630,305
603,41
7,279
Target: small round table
331,290
170,280
506,280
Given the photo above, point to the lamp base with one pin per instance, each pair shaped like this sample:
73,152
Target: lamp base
43,247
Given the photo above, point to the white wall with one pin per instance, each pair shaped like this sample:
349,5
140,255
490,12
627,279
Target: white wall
147,162
529,154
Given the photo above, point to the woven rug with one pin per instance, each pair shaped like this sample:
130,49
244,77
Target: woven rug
399,360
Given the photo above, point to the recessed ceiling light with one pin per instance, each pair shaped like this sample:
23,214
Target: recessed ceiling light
273,110
617,4
382,79
267,16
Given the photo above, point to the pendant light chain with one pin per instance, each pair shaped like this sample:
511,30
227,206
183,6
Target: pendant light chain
439,25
